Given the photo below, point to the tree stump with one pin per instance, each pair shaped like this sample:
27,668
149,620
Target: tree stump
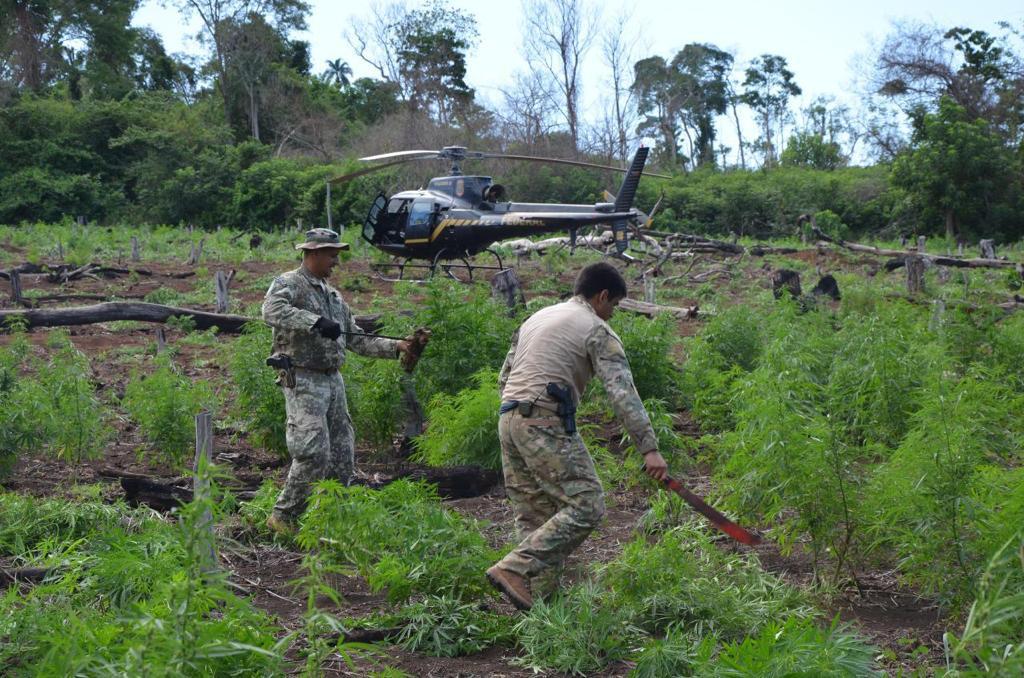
786,280
903,240
921,240
195,253
221,282
136,251
161,340
505,287
828,287
915,274
15,286
650,289
988,249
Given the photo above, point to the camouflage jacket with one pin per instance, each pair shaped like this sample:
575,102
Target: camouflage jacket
569,343
294,302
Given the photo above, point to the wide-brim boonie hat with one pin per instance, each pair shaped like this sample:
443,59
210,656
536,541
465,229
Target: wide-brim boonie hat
322,238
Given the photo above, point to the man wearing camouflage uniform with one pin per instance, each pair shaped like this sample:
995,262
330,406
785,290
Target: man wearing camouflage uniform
313,326
550,479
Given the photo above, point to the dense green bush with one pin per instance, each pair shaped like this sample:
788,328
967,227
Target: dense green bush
947,497
127,596
258,399
374,391
464,429
164,405
400,538
649,344
49,404
471,331
768,203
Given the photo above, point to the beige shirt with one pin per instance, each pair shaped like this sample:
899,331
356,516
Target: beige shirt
568,344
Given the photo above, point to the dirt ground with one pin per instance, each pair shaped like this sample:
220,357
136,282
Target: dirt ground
906,627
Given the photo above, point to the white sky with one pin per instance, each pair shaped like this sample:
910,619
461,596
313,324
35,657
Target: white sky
821,40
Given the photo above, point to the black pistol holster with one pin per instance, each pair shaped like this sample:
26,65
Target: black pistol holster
285,370
566,407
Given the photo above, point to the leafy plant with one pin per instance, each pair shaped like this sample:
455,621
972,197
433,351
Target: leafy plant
648,344
445,626
795,646
400,538
374,391
990,643
259,400
464,429
164,405
575,633
471,332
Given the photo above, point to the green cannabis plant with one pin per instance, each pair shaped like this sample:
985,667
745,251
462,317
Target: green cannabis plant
258,399
464,429
164,405
400,538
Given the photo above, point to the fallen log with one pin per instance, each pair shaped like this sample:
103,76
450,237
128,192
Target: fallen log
28,575
164,494
825,240
454,482
123,310
651,310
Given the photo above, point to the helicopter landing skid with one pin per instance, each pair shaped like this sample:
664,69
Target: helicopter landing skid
456,268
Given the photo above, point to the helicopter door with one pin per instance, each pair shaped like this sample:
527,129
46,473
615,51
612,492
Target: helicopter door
421,221
373,217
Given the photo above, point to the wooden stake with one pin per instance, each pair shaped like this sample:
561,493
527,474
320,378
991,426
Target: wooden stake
988,248
161,340
915,274
921,240
201,486
221,282
136,254
15,286
505,286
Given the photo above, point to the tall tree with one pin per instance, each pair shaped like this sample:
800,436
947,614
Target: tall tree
659,98
423,51
338,73
956,167
432,60
767,89
220,17
703,75
558,35
618,44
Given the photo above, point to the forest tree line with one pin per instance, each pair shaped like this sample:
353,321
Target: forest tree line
98,120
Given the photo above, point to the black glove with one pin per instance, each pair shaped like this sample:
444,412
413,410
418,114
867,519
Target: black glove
327,328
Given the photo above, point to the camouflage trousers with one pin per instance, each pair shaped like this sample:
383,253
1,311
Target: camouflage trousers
320,438
556,496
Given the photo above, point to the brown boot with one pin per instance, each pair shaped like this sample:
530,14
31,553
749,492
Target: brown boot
515,586
280,526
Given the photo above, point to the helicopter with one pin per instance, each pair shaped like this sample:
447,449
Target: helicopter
458,216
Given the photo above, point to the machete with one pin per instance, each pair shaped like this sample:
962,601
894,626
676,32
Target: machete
717,519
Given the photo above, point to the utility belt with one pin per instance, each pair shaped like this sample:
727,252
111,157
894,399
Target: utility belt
562,407
286,369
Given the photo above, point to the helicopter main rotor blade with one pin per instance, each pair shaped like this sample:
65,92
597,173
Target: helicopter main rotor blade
369,170
577,163
398,154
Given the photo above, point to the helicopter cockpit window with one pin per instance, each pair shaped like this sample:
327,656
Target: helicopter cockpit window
419,223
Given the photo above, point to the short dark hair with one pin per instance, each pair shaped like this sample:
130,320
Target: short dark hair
600,276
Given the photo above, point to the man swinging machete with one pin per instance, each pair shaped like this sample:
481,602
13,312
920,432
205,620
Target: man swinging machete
550,479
